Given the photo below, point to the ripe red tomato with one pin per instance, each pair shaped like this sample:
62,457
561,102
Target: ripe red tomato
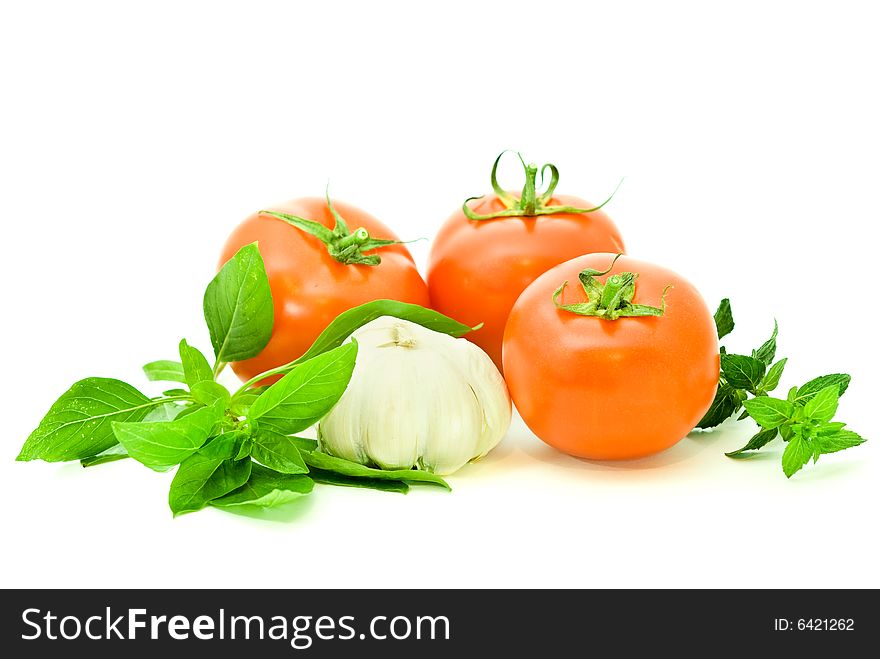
478,268
611,389
309,286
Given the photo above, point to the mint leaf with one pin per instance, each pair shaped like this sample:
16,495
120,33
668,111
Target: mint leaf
797,453
814,386
758,441
724,319
769,412
767,352
164,371
332,478
78,425
238,307
348,321
837,441
160,445
209,392
278,453
742,372
726,402
346,468
208,474
774,374
305,394
195,366
266,488
823,406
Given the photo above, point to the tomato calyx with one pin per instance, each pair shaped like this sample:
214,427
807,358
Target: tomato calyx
529,203
342,244
611,300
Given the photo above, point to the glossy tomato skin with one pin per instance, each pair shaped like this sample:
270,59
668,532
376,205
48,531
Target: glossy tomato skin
309,287
478,268
611,389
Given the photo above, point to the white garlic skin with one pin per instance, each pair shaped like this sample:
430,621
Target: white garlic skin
417,398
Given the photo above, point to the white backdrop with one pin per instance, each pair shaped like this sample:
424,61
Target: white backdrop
135,137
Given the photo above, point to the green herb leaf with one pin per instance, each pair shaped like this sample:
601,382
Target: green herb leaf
742,372
724,319
797,453
307,393
238,307
837,441
278,453
767,352
814,386
164,412
823,406
266,488
760,440
160,445
346,468
242,401
774,374
195,366
726,402
112,454
332,478
78,425
164,371
769,412
209,392
208,474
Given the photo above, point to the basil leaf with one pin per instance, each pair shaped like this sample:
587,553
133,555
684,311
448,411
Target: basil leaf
266,488
767,352
774,374
78,425
348,321
208,474
823,406
332,478
346,468
814,386
277,452
238,307
209,392
307,393
164,371
195,366
726,402
797,453
769,412
837,441
164,412
724,319
112,454
742,372
164,444
760,440
241,402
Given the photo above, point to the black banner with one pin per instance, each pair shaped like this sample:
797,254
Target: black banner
332,623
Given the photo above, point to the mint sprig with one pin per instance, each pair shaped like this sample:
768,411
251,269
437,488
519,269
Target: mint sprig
804,419
230,449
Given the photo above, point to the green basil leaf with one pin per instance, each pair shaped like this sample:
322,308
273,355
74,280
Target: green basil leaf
769,412
241,402
195,366
797,453
767,352
164,371
266,488
305,394
208,474
742,372
164,412
837,441
78,425
726,402
348,321
774,374
346,468
160,445
209,392
238,307
758,441
332,478
814,386
112,454
724,319
823,406
277,452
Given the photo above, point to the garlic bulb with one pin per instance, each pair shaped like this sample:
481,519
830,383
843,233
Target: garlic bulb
417,398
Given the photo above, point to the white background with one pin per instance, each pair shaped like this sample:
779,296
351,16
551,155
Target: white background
135,137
